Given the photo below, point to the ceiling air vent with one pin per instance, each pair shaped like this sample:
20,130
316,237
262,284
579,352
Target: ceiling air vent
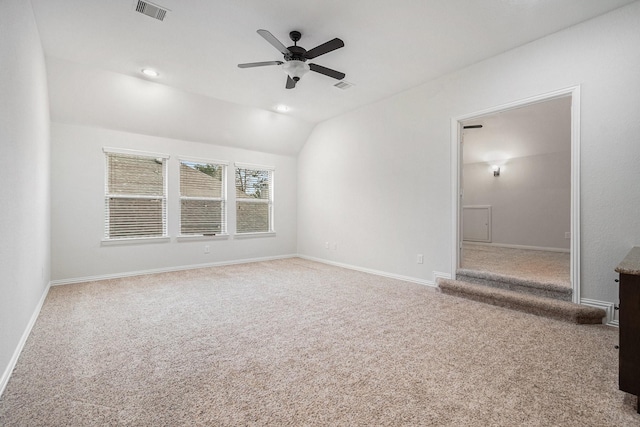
344,85
152,10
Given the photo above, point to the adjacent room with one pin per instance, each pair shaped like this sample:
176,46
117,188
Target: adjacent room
319,212
516,195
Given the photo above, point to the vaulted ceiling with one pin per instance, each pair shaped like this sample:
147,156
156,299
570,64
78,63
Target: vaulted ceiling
540,128
390,46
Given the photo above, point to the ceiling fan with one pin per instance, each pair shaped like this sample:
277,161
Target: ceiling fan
295,58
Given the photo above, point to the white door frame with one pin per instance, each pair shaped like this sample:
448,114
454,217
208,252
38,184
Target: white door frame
456,173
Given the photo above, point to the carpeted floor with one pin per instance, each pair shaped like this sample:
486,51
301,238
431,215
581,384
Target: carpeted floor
541,266
294,342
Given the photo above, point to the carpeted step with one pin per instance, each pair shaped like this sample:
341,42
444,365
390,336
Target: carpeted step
562,310
501,281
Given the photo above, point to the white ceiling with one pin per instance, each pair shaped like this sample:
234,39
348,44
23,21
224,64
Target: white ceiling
390,46
540,128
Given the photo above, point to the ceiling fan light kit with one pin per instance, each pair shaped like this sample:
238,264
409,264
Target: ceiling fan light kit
295,58
295,69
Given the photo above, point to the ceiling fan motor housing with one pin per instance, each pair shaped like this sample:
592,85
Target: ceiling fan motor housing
297,54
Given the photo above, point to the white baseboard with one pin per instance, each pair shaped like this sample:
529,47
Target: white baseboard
429,283
505,245
165,270
439,275
4,380
608,307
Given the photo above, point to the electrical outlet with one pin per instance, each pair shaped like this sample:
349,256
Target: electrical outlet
326,245
567,235
207,249
420,259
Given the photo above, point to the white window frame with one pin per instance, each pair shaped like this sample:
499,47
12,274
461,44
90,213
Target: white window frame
165,220
224,228
269,201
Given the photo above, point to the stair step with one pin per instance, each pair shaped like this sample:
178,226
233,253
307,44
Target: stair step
546,307
501,281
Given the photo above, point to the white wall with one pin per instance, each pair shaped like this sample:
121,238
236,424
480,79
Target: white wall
24,172
77,217
530,200
92,108
377,180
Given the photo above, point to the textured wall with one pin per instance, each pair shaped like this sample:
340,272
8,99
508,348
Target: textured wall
377,180
530,200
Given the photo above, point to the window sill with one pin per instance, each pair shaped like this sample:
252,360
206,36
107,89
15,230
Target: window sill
253,235
134,241
191,238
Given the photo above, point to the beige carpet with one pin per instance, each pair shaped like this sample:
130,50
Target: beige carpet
540,266
523,301
293,342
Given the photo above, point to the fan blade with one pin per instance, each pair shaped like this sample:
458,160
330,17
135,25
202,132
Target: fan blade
274,41
290,83
324,48
259,64
327,71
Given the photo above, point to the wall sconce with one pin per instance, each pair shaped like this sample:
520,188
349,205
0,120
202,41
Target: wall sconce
496,170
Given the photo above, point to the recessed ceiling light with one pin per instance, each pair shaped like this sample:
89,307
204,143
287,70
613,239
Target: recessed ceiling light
282,108
150,73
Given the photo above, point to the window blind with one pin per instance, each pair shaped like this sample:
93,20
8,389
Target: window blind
202,198
254,200
135,196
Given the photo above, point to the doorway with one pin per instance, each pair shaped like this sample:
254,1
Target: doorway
535,164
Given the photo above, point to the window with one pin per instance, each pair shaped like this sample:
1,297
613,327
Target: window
202,198
254,199
135,195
